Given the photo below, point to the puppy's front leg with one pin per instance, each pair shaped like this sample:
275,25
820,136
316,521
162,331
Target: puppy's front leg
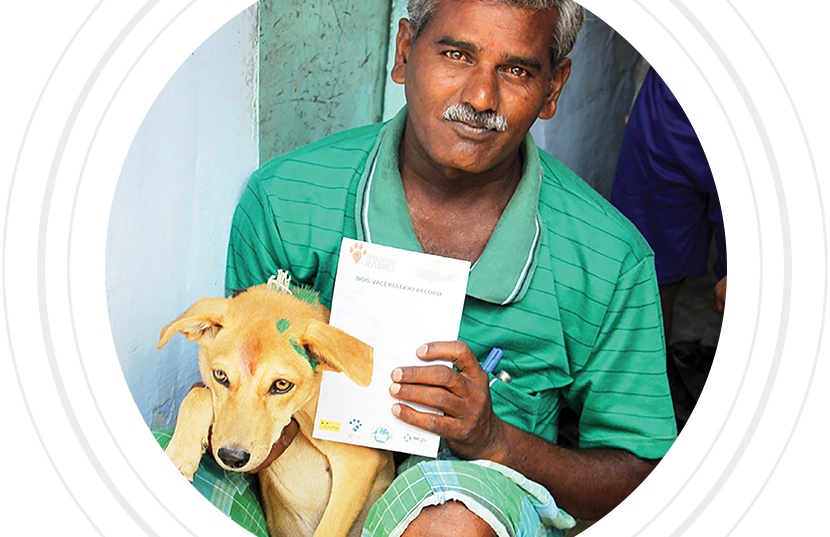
353,473
190,439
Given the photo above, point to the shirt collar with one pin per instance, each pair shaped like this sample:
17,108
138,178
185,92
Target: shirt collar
502,274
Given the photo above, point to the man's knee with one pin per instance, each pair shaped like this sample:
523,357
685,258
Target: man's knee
450,519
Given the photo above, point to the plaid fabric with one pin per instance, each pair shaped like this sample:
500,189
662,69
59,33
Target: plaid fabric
513,505
235,494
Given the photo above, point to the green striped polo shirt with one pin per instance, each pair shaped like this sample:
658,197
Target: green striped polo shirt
566,286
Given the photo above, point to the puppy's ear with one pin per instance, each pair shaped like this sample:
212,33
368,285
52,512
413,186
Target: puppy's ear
337,351
200,323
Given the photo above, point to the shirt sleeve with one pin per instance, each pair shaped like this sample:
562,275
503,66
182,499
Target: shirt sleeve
622,393
255,247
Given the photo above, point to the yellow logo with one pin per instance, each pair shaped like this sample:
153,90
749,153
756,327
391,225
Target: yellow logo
331,426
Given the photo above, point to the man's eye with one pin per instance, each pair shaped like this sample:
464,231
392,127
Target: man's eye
281,386
221,377
518,72
455,55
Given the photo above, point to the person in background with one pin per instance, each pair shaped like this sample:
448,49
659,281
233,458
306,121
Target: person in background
664,185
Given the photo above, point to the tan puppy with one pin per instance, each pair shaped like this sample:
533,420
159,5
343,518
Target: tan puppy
261,358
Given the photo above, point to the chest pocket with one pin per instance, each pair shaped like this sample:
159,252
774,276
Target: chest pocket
533,412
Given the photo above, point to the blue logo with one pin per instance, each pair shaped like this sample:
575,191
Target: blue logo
381,435
355,424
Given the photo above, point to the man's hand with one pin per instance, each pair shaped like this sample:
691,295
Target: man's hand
720,294
469,426
588,483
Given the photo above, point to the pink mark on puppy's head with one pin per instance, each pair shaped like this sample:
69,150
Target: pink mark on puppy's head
248,354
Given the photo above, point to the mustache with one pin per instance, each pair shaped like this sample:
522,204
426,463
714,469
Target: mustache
465,113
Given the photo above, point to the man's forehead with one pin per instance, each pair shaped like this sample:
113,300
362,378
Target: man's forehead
476,25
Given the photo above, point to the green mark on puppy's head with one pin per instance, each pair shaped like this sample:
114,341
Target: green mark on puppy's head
282,325
307,295
301,351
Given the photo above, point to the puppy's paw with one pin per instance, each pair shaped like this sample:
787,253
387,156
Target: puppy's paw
185,459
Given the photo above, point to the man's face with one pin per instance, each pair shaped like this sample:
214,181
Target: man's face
482,57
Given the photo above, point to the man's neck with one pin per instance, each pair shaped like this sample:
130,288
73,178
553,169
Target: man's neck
454,213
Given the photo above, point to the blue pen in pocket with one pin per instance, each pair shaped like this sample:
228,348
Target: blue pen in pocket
492,361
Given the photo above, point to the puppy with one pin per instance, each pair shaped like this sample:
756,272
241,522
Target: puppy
261,358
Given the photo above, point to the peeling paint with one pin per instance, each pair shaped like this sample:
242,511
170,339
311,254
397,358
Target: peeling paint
322,69
164,415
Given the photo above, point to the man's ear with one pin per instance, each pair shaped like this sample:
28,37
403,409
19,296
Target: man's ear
560,76
200,323
337,351
403,44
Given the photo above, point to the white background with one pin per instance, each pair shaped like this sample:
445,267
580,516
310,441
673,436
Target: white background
75,88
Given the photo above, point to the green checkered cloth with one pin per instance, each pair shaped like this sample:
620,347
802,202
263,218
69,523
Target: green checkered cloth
234,493
513,505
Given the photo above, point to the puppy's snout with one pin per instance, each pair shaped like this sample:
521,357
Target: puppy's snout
234,457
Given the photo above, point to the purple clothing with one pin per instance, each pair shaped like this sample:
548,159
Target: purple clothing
664,185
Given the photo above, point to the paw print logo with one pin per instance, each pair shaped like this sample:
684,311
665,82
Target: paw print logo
355,424
358,251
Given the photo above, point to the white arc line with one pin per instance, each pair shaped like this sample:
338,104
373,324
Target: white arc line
787,287
5,300
42,302
824,237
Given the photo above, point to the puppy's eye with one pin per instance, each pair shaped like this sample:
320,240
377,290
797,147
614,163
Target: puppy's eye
281,386
221,377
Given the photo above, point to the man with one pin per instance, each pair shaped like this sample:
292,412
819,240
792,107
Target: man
560,280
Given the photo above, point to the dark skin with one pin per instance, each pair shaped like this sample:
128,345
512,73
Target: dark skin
458,178
586,483
450,519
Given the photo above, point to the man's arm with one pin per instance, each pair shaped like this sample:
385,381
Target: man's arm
587,483
619,389
720,294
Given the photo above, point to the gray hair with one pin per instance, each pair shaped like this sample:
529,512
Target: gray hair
569,19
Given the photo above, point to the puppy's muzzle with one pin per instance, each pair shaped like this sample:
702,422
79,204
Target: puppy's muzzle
234,457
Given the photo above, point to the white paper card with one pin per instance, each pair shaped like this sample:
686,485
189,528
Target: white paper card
394,300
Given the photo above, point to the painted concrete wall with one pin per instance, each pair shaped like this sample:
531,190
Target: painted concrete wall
172,210
322,69
393,97
586,132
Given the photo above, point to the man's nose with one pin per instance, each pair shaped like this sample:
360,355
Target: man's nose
482,88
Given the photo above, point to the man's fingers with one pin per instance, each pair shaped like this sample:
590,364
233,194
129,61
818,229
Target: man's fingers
430,396
456,352
434,375
435,423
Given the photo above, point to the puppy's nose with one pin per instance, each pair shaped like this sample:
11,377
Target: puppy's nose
233,456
